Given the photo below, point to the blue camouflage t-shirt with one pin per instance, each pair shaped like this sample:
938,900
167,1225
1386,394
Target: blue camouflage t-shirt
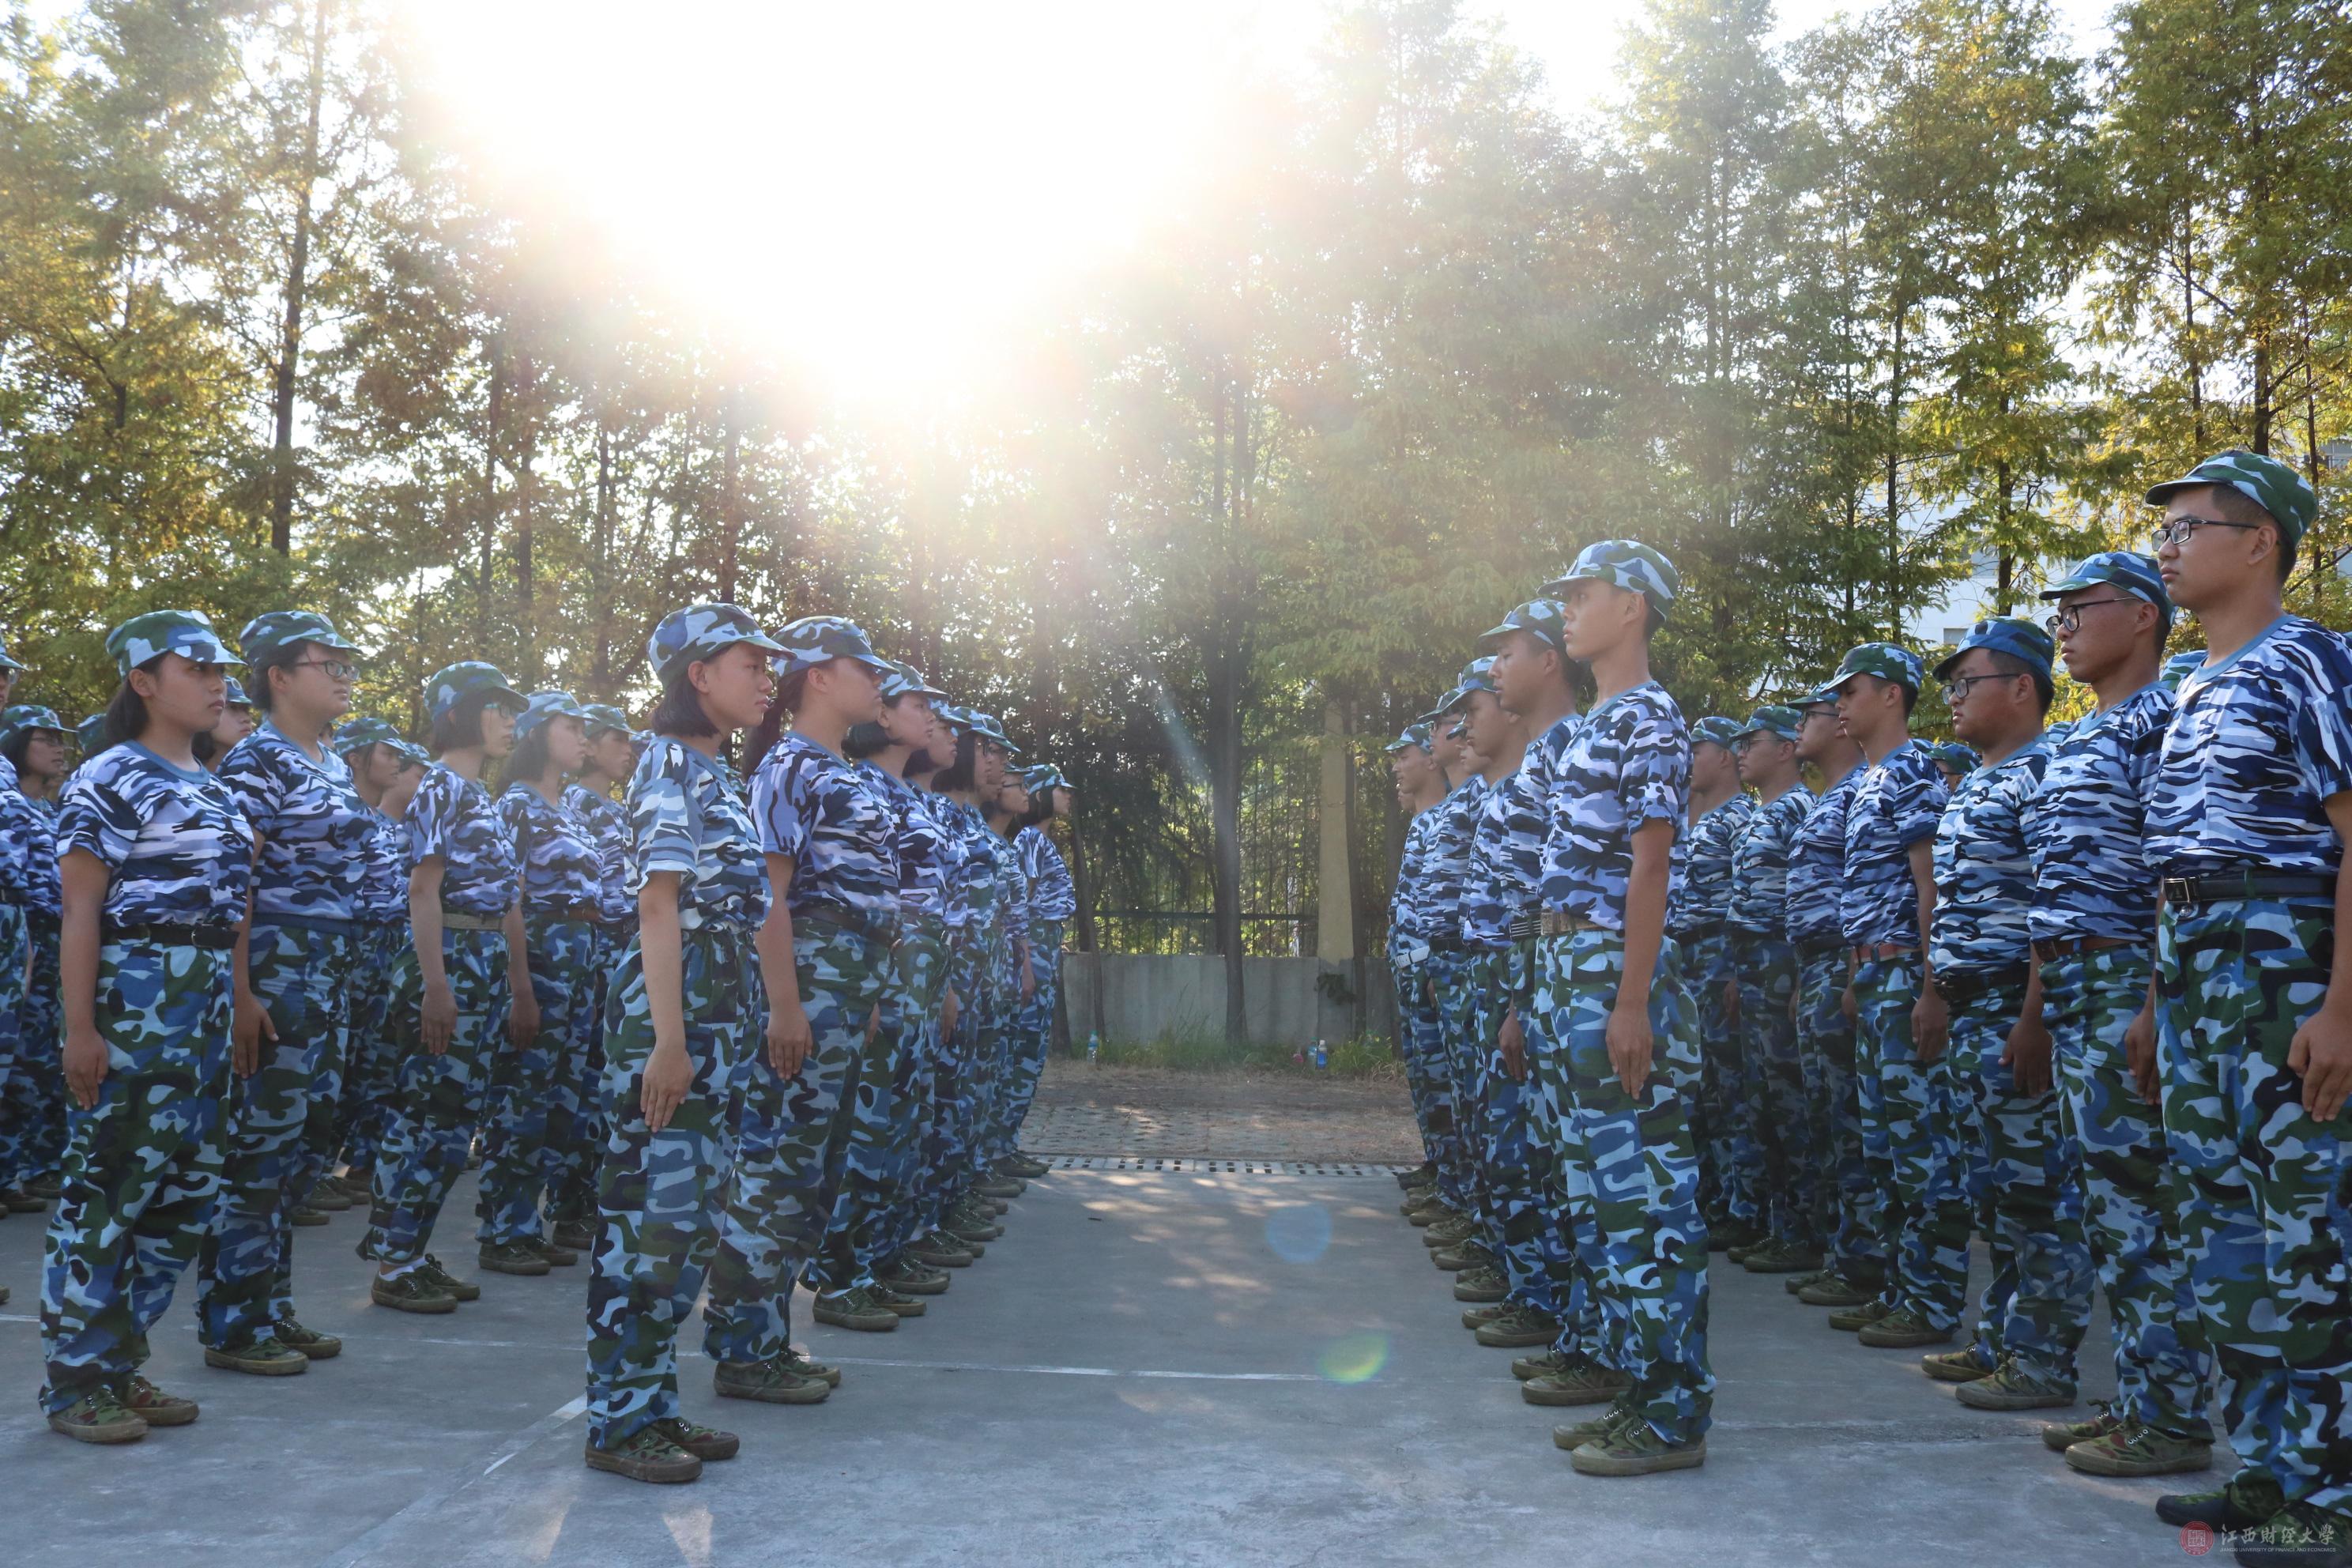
454,818
1445,860
315,829
968,867
2091,873
1516,819
1012,887
687,815
16,849
921,843
1817,867
43,893
560,867
383,885
1488,899
1052,895
821,812
1759,865
1701,892
608,830
2257,743
1899,802
1984,869
1407,928
1627,764
180,849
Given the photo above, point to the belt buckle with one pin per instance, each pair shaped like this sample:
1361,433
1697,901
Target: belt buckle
2178,891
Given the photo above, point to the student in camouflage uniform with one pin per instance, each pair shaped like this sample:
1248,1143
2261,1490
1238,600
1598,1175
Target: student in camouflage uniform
681,1022
90,737
1418,788
1621,792
1764,977
293,989
155,862
535,1106
236,723
612,758
461,989
980,974
958,1232
1015,985
2093,929
1444,862
1052,902
2246,822
1954,761
2006,1146
385,772
1731,1165
824,955
19,825
33,1115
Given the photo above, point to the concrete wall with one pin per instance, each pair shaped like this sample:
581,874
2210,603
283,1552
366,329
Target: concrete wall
1144,996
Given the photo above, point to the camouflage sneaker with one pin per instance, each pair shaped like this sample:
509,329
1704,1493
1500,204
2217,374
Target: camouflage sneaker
792,1361
2245,1500
314,1344
891,1301
1576,1437
308,1215
646,1456
1962,1365
410,1292
557,1256
1855,1319
856,1309
1902,1331
1782,1257
702,1442
457,1290
1583,1381
268,1357
1480,1316
152,1406
2299,1535
1634,1448
2016,1387
2136,1450
911,1279
1519,1328
939,1251
2064,1434
511,1257
98,1417
1451,1228
769,1382
574,1234
1480,1284
1541,1364
1836,1290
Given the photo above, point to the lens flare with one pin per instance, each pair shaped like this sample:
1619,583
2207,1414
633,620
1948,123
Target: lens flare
1354,1358
1300,1233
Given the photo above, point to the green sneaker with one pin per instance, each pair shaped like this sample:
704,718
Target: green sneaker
1902,1331
574,1234
1480,1316
1420,1175
1782,1257
457,1290
647,1456
269,1357
1000,1187
1585,1431
1542,1364
912,1278
2064,1434
2298,1536
98,1417
309,1215
1456,1258
1480,1284
1583,1381
1446,1232
314,1345
854,1310
891,1301
794,1361
512,1258
1962,1365
2134,1449
1733,1234
2246,1500
414,1291
152,1406
327,1198
1430,1213
2014,1387
557,1256
1837,1290
1797,1283
1634,1448
968,1229
702,1442
942,1251
1518,1328
769,1382
1859,1317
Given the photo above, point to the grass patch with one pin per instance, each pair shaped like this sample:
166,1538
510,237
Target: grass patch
1364,1057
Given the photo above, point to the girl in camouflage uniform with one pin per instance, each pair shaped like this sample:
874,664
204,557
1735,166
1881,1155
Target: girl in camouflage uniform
612,758
385,771
32,741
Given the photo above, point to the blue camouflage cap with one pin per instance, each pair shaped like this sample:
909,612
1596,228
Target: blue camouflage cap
702,632
465,679
1043,777
284,628
188,633
2134,573
1453,698
358,734
986,726
22,717
1623,563
6,661
1951,755
903,679
813,640
2011,635
604,719
1772,718
1887,660
2270,484
235,694
2177,669
1479,675
1539,618
1412,735
1716,729
409,752
545,705
90,733
953,713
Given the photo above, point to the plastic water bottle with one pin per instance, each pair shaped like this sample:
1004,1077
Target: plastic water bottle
1298,1056
1094,1046
1322,1056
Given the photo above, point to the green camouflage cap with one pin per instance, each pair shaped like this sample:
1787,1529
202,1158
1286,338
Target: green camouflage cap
953,713
813,640
1454,697
1716,729
604,719
23,717
2011,635
284,628
235,694
358,734
6,661
2134,573
1539,618
1479,675
1773,719
188,633
546,705
469,678
2270,484
2177,667
1623,563
905,680
90,733
1043,777
1886,660
409,752
702,632
1412,735
986,726
1951,755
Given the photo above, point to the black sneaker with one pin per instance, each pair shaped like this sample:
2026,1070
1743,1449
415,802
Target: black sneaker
314,1345
854,1310
410,1292
511,1257
646,1456
769,1382
702,1442
457,1290
2246,1500
574,1234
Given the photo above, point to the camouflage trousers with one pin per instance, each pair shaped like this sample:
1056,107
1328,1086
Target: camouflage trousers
1450,1085
571,1193
875,1160
15,961
947,1162
436,1101
911,1010
279,1128
1907,1140
1033,1030
1460,1006
371,1060
1546,1223
2123,1167
1426,1078
142,1166
793,1145
33,1101
2263,1185
1731,1165
1634,1155
2026,1194
532,1122
659,1195
1846,1201
1519,1190
1773,1078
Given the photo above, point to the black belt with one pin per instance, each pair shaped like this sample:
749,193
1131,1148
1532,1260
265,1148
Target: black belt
1822,947
2186,893
1446,944
848,920
211,934
1968,984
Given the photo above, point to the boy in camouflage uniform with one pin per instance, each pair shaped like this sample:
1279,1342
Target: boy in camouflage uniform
1731,1166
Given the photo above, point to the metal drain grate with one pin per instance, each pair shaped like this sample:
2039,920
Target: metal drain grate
1198,1164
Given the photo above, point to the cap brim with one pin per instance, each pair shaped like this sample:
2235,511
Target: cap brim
2157,495
7,663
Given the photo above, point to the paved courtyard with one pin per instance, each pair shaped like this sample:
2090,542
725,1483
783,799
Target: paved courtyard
1181,1365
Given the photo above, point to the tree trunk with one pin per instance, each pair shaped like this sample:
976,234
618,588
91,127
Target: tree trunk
1894,481
298,272
730,499
490,497
526,584
601,562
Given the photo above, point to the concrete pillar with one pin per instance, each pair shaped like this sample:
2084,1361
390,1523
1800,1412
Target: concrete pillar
1335,907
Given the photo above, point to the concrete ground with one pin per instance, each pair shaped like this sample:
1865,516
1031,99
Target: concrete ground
1149,1368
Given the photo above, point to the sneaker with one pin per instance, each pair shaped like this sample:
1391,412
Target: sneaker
329,1197
2064,1434
1427,1213
1731,1234
1634,1448
769,1382
647,1456
912,1278
22,1199
449,1285
1836,1290
314,1346
2298,1536
1519,1328
1480,1284
1446,1232
891,1301
574,1234
1957,1366
794,1361
410,1292
939,1251
2134,1449
1855,1319
992,1208
557,1256
45,1189
511,1257
1456,1258
1902,1331
1028,1167
966,1226
1592,1427
854,1310
2245,1500
98,1417
702,1442
1782,1257
1741,1251
269,1357
1541,1364
155,1406
2016,1387
1480,1316
1582,1382
1799,1283
1000,1187
1421,1175
308,1215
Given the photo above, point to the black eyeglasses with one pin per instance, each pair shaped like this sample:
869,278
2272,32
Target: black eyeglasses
335,667
2177,529
1957,690
2070,618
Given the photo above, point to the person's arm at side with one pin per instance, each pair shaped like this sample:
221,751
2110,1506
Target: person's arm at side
668,1071
2321,1053
250,1021
523,1015
1629,1044
789,1033
437,1008
1931,1020
2027,1055
82,880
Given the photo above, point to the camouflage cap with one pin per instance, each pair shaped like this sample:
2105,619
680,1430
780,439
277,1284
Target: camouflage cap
470,678
2270,484
1043,777
410,752
1623,563
813,640
1716,729
604,719
1453,698
90,733
904,679
284,628
702,632
1539,618
1458,730
358,734
1479,675
953,713
6,661
1773,719
1412,735
234,692
2134,573
1887,660
188,633
2177,667
24,717
2011,635
1953,755
986,726
545,705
